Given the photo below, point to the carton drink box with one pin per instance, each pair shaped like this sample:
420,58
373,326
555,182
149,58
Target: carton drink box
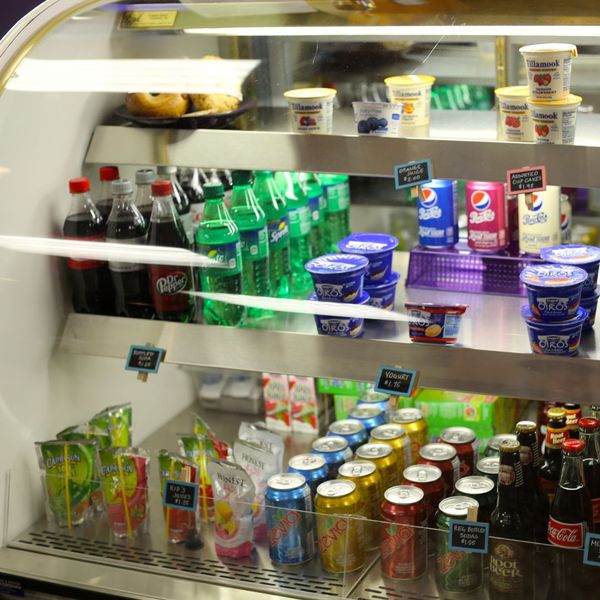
277,402
308,410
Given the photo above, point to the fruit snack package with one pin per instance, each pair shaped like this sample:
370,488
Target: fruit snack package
67,469
260,435
201,427
117,420
234,495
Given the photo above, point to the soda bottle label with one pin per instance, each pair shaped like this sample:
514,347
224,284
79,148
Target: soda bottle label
255,244
337,197
169,286
278,232
126,267
299,221
506,559
314,204
567,535
229,255
555,437
84,263
487,219
596,510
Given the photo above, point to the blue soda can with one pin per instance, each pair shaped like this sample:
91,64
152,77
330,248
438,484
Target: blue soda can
313,467
335,450
369,416
373,398
351,430
290,520
438,214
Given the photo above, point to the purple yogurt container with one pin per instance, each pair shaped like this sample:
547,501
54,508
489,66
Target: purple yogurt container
341,326
378,248
557,338
590,304
586,257
338,277
383,295
553,291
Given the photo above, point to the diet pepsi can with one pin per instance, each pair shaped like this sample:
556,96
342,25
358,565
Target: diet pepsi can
438,214
539,220
487,219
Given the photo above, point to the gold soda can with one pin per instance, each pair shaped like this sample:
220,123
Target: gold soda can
384,458
415,425
395,435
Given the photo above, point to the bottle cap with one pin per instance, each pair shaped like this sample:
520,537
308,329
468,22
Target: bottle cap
241,177
263,172
526,427
109,173
167,170
121,186
573,446
557,413
160,187
509,445
589,424
145,176
79,185
213,190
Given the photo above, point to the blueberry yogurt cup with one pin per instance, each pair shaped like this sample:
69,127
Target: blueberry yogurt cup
350,327
338,277
553,290
378,248
585,257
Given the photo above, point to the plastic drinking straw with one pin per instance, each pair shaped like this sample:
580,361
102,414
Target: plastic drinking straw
203,479
124,497
113,434
168,513
67,473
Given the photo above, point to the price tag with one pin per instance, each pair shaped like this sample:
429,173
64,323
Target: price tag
144,359
526,180
11,587
151,19
412,174
180,495
591,552
469,536
396,381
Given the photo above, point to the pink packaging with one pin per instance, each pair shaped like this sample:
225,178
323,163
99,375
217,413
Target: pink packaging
487,219
276,395
305,404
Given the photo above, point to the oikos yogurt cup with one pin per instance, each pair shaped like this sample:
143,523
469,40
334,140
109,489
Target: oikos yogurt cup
585,257
553,290
378,248
338,277
341,326
554,122
383,295
513,114
558,338
434,323
548,70
590,303
414,93
377,118
311,109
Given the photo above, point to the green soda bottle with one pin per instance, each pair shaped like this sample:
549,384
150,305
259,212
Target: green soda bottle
317,205
218,238
337,213
272,202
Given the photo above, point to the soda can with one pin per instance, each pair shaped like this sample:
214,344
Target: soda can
445,458
352,431
369,416
481,489
566,216
487,218
488,467
415,426
493,445
429,479
394,435
368,483
290,520
438,214
512,209
384,458
404,537
312,466
465,443
373,398
539,220
457,573
340,526
335,450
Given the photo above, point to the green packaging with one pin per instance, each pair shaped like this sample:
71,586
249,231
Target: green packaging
344,387
117,420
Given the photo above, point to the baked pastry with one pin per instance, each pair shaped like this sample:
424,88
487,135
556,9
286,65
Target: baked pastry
166,106
218,102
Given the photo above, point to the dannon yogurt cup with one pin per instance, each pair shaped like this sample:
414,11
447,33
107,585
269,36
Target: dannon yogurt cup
585,257
590,303
383,295
311,109
434,323
338,277
378,248
414,93
554,122
514,121
377,118
341,326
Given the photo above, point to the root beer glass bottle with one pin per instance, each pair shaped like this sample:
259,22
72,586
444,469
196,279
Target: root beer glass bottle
556,434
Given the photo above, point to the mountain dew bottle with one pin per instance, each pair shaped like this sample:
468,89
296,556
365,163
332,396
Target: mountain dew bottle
218,237
337,214
317,205
272,202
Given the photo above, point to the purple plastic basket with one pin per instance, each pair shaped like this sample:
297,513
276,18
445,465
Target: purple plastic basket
461,270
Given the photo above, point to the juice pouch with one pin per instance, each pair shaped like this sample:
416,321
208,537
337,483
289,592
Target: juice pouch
124,478
201,427
259,434
234,495
180,525
117,421
67,476
260,464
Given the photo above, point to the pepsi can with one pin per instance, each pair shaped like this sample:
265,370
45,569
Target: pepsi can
352,431
438,214
335,450
539,220
290,520
566,215
369,416
487,218
313,467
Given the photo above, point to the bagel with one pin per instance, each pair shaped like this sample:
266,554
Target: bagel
144,104
221,103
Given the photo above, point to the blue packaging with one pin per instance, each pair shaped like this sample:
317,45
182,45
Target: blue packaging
378,248
373,398
590,303
585,257
313,467
438,214
335,450
352,431
369,416
383,295
338,277
340,326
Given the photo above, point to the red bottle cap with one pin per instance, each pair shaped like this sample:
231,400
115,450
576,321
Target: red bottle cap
79,185
573,446
162,187
589,424
109,173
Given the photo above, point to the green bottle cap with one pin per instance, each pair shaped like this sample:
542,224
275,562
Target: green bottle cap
263,173
213,190
241,177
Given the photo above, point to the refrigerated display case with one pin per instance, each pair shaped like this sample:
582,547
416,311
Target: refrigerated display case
64,72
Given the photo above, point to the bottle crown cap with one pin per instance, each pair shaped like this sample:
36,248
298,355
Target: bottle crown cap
79,185
571,406
213,190
573,446
509,445
557,413
145,176
121,186
526,427
109,173
263,172
589,424
241,177
167,170
161,187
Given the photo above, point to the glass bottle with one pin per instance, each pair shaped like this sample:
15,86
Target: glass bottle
589,432
556,434
573,416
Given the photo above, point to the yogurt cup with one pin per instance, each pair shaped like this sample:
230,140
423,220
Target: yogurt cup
554,122
548,70
414,93
558,338
590,303
378,248
585,257
513,114
311,109
338,277
341,326
383,295
553,290
434,323
377,118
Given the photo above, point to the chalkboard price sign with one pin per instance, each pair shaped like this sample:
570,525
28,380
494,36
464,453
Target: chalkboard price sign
144,359
469,536
412,174
591,553
396,381
180,495
527,180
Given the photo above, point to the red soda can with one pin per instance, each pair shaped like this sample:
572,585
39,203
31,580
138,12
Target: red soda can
429,479
445,458
487,219
404,536
464,441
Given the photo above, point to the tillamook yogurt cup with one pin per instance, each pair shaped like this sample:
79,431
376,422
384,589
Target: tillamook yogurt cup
514,119
338,277
414,93
311,109
554,122
548,70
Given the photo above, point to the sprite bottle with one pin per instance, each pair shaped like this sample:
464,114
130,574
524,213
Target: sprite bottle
218,238
337,213
317,205
271,201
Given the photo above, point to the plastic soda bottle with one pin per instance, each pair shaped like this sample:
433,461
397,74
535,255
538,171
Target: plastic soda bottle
272,202
337,212
218,238
317,205
143,194
180,199
104,201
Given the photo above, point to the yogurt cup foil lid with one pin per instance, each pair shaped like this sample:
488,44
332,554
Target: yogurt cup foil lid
552,275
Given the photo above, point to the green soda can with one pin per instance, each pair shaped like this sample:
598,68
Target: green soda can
456,572
336,190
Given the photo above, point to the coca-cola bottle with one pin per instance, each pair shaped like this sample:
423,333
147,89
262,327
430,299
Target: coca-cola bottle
104,201
180,200
92,289
556,434
573,416
143,194
534,497
130,279
169,284
589,432
595,411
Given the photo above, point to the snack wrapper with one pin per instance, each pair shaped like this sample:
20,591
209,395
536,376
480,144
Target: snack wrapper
201,427
117,421
258,434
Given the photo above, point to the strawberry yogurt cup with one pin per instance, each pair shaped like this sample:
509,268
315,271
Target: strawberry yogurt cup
514,121
554,122
311,109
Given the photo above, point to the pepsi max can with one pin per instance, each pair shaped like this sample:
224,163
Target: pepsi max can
487,218
369,416
438,214
335,450
312,466
352,431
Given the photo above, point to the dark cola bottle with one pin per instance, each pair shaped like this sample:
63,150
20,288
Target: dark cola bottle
143,194
180,200
589,433
573,416
556,434
104,199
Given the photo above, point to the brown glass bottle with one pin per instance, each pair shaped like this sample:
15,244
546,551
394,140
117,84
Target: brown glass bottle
573,416
556,434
